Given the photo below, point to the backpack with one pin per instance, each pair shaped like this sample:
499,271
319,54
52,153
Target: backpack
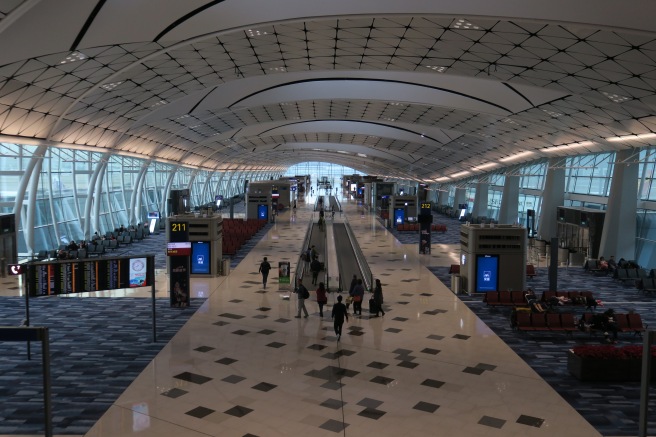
305,294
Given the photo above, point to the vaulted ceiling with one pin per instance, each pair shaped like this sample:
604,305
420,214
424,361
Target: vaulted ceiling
417,90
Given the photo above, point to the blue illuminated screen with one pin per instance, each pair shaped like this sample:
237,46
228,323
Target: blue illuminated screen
200,258
487,273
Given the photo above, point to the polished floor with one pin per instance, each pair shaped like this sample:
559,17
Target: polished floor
245,366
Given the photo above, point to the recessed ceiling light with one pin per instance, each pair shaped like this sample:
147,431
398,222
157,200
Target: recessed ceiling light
567,146
277,69
510,121
485,166
462,173
183,116
616,97
438,68
255,32
396,104
362,155
554,114
632,137
461,23
160,103
73,57
341,151
516,156
389,119
443,178
110,86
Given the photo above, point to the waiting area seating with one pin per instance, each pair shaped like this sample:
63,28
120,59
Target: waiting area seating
631,322
527,321
505,298
98,245
414,227
569,298
237,231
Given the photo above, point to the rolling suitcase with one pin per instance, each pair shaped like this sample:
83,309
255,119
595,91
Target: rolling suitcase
373,306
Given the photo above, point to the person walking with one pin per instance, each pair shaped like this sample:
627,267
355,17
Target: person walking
315,268
322,299
303,294
378,298
339,314
264,269
357,295
308,258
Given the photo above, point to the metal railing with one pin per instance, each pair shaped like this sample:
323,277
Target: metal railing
363,265
300,264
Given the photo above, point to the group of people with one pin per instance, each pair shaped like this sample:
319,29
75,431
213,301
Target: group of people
340,310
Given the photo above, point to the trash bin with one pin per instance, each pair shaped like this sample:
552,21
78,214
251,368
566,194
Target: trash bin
456,283
225,268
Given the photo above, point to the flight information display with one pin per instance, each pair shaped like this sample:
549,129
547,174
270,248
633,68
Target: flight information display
79,276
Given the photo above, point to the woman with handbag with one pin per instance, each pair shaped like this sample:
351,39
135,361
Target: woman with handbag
322,299
358,294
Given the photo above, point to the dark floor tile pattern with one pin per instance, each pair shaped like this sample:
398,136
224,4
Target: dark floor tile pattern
426,406
200,412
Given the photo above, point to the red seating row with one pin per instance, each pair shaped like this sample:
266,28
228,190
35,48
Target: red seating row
236,232
526,321
505,298
573,296
408,227
631,322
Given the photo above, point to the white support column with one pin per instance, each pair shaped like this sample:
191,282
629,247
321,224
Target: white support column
480,201
459,197
167,189
553,196
135,192
443,195
31,175
140,192
508,210
93,200
618,235
98,190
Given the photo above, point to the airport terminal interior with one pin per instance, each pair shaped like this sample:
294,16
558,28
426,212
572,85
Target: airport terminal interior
393,137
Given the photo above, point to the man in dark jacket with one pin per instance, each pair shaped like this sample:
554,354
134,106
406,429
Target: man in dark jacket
339,314
264,269
315,268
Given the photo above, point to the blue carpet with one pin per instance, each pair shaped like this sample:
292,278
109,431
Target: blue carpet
98,347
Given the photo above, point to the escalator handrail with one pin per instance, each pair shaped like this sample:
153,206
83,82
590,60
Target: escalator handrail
300,265
367,276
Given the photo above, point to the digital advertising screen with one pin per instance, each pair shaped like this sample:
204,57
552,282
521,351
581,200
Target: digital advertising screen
200,258
138,272
262,212
487,273
399,216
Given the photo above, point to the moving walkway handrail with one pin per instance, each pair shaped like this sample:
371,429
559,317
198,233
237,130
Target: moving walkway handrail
363,265
326,277
300,265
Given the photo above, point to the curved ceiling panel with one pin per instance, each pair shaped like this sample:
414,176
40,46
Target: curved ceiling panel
213,84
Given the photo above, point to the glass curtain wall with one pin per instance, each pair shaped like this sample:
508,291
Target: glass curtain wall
317,170
64,186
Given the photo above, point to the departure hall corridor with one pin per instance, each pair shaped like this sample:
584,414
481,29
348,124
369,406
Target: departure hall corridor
243,365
